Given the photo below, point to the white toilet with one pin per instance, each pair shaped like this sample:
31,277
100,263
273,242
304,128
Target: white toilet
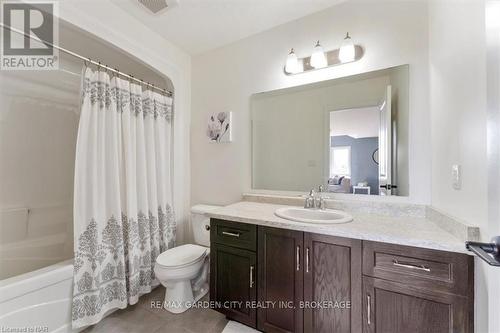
184,269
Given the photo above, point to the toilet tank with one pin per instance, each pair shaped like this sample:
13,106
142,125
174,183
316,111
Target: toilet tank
201,224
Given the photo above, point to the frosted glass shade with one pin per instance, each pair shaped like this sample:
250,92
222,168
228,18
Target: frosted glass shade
292,63
318,57
347,51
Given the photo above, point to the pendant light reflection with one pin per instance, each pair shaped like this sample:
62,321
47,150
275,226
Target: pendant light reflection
292,63
318,57
347,52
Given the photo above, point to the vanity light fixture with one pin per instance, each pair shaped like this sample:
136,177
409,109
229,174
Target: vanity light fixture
292,62
318,57
348,52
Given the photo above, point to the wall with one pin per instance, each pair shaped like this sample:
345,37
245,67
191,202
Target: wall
363,168
463,130
492,14
38,128
114,25
392,33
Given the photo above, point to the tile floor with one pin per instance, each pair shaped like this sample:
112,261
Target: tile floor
141,317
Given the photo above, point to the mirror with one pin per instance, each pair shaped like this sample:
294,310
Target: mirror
348,134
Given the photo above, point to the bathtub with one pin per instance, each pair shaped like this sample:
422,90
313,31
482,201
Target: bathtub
38,301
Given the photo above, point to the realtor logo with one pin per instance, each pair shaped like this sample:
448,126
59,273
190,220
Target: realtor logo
29,29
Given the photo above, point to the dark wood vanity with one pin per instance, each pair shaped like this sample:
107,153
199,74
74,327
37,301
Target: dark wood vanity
323,283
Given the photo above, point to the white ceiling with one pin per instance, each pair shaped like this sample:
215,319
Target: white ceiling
197,26
357,123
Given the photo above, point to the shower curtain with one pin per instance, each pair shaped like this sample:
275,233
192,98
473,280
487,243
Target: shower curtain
123,216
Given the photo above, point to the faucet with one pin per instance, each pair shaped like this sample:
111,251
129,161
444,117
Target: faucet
319,202
310,200
314,200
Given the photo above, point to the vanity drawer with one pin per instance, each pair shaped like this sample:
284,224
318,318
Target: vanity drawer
418,267
241,235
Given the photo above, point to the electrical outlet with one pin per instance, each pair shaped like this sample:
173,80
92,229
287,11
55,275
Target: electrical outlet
456,176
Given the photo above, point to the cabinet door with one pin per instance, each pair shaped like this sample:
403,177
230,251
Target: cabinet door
232,282
280,255
391,307
332,284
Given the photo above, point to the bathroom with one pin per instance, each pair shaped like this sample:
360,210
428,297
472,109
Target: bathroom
399,143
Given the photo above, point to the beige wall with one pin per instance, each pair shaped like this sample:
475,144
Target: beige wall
224,79
493,150
462,131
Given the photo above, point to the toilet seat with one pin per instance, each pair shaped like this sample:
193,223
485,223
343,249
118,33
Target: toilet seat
181,255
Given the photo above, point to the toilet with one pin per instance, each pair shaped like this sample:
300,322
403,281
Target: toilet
184,270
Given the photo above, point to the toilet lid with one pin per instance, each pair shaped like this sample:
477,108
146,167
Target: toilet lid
181,255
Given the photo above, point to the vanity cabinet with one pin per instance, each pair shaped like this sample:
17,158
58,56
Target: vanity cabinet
313,283
407,289
393,307
280,258
332,274
233,269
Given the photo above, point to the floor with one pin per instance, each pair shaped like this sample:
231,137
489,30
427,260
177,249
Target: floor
141,317
235,327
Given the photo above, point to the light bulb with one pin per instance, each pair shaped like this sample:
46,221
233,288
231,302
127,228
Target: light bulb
347,51
318,57
292,63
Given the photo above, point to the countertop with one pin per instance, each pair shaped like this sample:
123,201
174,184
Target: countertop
410,231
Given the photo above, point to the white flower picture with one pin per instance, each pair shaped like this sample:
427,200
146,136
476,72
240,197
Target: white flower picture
219,127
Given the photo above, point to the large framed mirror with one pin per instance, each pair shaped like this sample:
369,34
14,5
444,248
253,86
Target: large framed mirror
349,135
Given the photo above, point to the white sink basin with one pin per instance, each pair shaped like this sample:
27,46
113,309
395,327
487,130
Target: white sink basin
325,216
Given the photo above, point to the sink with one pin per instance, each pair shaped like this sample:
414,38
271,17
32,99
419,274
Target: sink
320,216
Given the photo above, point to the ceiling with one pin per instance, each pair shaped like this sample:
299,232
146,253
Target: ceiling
197,26
356,123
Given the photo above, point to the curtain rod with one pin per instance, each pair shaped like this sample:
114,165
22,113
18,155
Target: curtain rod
85,59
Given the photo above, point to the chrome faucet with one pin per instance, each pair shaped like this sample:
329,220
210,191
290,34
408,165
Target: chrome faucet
320,203
310,200
314,200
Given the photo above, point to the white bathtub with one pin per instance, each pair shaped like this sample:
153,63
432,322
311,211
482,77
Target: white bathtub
40,299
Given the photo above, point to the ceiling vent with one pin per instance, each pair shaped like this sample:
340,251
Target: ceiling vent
157,6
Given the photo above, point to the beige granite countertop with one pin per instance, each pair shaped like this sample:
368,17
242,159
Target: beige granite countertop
411,231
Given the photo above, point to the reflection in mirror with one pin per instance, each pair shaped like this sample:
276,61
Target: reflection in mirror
349,135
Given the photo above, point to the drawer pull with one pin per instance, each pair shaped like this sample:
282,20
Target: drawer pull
232,234
298,258
307,260
411,266
251,277
368,309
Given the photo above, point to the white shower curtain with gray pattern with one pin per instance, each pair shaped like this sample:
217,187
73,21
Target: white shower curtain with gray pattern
123,216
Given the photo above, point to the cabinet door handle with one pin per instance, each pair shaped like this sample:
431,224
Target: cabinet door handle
251,277
307,260
298,258
395,262
368,309
232,234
